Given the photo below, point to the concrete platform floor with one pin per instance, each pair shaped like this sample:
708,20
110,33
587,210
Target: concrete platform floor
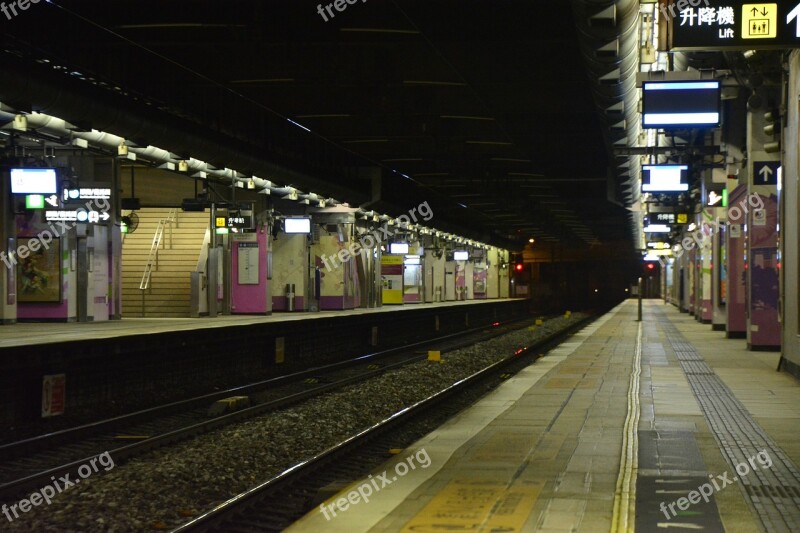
29,333
598,433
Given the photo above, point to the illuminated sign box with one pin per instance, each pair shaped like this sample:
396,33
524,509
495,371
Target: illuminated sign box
668,218
665,178
680,104
732,24
297,225
34,201
86,193
398,248
460,256
33,181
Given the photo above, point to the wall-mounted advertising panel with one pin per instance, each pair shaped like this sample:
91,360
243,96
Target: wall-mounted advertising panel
680,104
665,178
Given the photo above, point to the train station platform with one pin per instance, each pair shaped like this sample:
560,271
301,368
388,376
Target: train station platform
30,333
655,425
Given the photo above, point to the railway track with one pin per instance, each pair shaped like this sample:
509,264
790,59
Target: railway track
30,463
276,503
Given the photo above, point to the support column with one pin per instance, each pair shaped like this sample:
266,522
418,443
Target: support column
8,272
761,213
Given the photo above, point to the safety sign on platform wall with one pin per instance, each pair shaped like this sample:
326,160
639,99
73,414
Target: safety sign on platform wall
733,24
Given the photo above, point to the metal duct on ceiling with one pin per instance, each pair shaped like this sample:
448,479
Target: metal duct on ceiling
608,31
33,86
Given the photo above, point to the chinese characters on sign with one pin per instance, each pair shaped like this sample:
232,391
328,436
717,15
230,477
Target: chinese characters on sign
721,17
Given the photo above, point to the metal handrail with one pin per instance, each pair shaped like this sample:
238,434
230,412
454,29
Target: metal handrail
158,236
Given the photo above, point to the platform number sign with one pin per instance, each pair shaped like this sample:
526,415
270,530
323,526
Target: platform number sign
54,395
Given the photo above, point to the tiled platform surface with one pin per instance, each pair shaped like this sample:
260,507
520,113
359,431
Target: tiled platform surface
28,333
542,452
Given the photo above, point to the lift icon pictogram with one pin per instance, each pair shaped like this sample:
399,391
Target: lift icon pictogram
759,21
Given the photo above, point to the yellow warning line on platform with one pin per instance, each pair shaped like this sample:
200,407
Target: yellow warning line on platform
623,520
477,506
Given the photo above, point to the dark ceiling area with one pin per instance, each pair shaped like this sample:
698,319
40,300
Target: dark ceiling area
482,108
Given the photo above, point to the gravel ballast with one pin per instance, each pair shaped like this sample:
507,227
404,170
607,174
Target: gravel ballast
163,489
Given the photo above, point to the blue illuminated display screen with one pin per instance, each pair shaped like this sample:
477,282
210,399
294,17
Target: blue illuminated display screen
33,181
685,104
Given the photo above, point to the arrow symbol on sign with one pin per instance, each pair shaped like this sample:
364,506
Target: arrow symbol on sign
754,11
104,215
52,200
793,14
764,12
765,171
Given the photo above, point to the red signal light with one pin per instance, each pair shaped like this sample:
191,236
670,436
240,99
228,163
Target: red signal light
650,266
519,267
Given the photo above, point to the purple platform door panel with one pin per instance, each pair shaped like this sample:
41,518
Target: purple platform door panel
249,274
764,329
691,270
737,273
704,263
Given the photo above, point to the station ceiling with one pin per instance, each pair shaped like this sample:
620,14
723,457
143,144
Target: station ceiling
482,108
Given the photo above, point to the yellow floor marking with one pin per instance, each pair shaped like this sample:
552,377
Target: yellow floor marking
623,519
476,506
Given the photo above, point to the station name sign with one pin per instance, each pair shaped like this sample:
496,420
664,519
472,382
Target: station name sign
733,24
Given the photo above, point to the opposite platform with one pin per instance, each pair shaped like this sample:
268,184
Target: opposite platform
606,429
115,367
31,333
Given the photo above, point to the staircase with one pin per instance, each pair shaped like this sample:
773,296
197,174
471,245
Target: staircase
169,287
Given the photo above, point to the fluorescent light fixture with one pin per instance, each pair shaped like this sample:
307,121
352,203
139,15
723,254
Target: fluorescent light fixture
460,255
380,30
298,125
297,225
398,248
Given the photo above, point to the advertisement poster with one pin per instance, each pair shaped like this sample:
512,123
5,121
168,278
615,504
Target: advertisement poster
39,274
